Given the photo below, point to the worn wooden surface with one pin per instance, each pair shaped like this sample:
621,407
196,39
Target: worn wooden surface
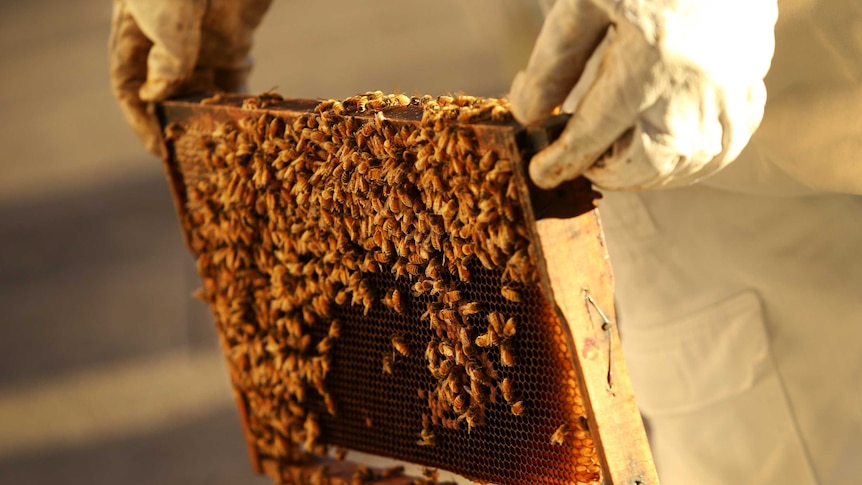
615,419
573,263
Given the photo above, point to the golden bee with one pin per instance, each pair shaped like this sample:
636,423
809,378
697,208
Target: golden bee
470,308
330,403
510,293
451,296
459,404
464,337
484,340
473,417
559,435
518,408
413,269
324,345
509,328
508,389
400,345
397,301
362,476
446,349
394,300
426,438
507,358
395,471
463,271
445,368
387,364
431,350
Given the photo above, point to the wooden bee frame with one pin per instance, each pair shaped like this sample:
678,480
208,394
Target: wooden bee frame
564,223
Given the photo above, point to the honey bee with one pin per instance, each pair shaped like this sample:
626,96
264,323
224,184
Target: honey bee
510,293
387,364
485,260
280,444
379,118
509,328
330,403
394,204
362,476
459,404
304,342
340,453
445,348
560,434
324,105
445,100
484,340
414,258
214,99
451,296
445,368
174,131
395,471
312,430
518,408
495,321
430,474
403,196
471,308
324,345
464,336
460,356
397,301
401,99
435,182
506,356
413,269
399,269
369,264
449,316
400,345
507,388
438,287
473,416
477,376
431,310
404,249
431,351
426,438
393,300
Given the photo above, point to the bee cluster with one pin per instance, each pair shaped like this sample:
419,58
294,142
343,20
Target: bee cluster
291,219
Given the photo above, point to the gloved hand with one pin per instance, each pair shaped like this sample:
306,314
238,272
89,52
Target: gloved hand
164,48
677,94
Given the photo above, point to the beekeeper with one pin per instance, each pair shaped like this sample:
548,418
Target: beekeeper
739,291
735,231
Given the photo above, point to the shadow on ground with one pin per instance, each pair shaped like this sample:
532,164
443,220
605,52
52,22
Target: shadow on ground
206,451
93,278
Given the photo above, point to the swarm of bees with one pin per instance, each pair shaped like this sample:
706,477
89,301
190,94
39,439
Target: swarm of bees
291,217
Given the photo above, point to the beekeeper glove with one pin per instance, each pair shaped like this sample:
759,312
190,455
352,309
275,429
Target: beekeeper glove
677,94
164,48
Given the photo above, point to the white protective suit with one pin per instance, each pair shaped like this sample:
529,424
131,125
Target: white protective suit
740,297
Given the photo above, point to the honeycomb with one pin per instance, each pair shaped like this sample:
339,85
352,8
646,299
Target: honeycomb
375,287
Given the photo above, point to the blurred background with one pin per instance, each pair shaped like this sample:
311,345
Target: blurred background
109,371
